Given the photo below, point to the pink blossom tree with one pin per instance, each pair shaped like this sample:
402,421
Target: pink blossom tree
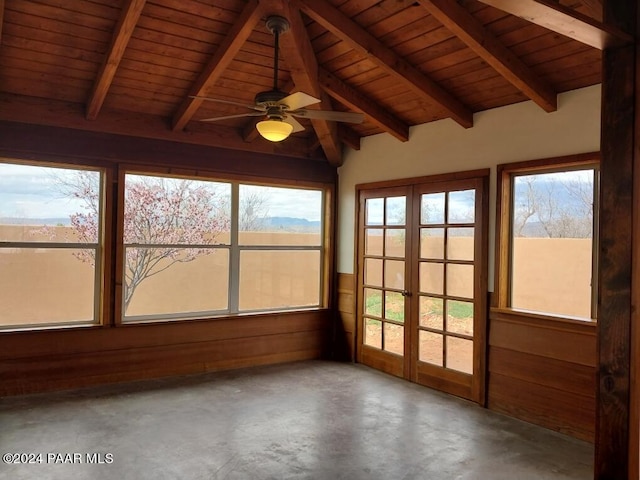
166,221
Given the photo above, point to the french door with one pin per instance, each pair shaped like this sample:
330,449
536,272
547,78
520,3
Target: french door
422,282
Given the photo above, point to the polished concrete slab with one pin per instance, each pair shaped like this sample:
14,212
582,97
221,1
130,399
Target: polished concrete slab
308,420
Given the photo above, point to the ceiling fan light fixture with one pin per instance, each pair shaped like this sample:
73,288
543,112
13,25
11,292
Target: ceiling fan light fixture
274,130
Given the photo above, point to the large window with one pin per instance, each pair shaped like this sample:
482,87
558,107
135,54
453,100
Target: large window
175,248
549,238
50,245
197,248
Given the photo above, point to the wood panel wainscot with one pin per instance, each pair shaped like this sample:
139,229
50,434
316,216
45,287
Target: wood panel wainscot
46,360
543,371
345,332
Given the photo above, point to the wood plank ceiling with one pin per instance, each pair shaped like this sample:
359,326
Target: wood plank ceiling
131,66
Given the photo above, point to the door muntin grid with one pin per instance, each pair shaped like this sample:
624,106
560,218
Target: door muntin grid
384,273
446,279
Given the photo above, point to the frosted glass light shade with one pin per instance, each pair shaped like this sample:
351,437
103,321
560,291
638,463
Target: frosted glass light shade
274,130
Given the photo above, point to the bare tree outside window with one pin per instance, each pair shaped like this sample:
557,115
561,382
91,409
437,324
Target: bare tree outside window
554,205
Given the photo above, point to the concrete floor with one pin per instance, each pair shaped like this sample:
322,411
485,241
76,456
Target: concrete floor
309,420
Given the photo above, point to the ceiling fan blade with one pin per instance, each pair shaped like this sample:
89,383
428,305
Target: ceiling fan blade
332,116
248,114
298,100
229,102
297,126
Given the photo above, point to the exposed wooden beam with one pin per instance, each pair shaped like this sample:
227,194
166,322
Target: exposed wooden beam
224,54
565,21
349,136
301,60
355,100
16,108
594,7
461,23
362,41
121,36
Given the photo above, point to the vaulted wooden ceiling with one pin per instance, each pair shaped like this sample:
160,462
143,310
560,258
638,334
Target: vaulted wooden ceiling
132,66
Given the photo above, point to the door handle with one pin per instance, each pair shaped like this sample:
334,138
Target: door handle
406,293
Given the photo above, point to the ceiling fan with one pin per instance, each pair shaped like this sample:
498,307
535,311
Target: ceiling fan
278,107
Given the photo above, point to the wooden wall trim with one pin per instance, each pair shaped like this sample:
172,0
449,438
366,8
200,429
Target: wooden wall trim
51,360
574,347
545,321
346,331
569,413
543,371
445,177
619,89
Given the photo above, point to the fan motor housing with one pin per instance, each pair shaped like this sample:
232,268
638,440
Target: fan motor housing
270,97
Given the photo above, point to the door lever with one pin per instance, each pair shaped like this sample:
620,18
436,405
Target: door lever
406,293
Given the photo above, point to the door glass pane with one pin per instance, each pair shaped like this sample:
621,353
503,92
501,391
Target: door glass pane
432,243
394,274
432,208
394,245
462,206
372,302
373,332
394,338
373,241
373,272
396,210
431,278
460,243
431,313
460,317
430,348
374,211
460,280
394,306
460,354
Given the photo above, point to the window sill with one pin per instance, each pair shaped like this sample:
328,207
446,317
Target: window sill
543,320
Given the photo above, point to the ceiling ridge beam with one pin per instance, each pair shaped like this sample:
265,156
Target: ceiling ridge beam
350,32
357,101
119,41
462,24
299,56
224,54
565,21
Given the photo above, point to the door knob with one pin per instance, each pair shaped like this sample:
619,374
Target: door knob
406,293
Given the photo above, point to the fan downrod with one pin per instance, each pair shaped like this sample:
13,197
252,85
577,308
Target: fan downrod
277,24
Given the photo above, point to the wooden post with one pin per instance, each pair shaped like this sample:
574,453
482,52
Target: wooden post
615,252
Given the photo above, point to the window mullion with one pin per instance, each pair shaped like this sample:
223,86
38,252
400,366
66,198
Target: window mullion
234,252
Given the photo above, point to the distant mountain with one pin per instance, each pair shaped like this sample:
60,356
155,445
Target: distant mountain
34,221
291,224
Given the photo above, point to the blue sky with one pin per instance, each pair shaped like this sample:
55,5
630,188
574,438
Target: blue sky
30,192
